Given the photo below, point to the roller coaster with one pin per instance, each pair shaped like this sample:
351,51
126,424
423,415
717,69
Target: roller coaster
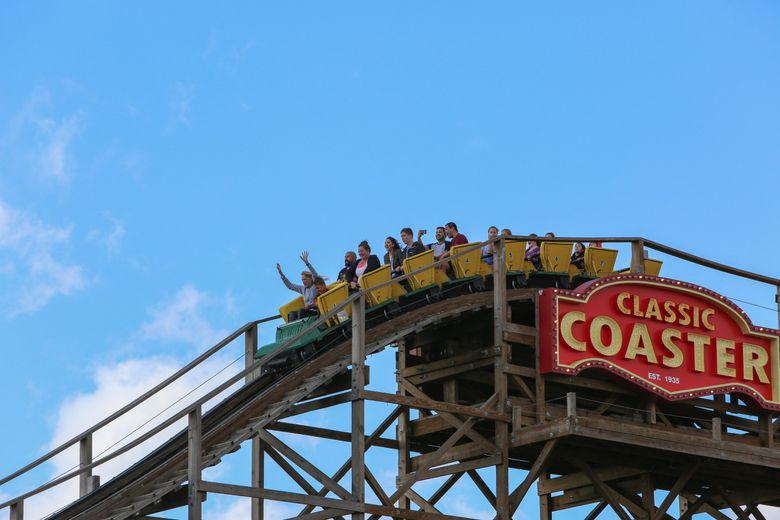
481,384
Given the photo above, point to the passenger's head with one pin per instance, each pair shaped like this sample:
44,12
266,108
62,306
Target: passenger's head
319,283
579,247
451,229
349,258
391,243
492,232
364,250
440,234
506,232
549,234
532,243
306,278
406,236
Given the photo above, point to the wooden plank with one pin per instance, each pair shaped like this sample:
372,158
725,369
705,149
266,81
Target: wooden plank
403,427
482,462
421,502
580,479
318,404
449,372
326,433
449,362
439,406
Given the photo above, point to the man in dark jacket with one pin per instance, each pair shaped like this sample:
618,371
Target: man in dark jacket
413,247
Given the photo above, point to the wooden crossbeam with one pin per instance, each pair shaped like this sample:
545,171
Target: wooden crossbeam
732,505
488,446
607,492
409,479
677,487
483,487
370,441
596,511
304,464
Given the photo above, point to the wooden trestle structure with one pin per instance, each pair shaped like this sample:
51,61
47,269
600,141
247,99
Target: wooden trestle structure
469,396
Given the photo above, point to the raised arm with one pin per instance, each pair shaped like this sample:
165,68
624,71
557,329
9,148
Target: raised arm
288,283
305,259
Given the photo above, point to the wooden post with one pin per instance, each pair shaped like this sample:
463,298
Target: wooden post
716,428
638,257
571,404
250,349
541,410
545,501
258,476
195,465
402,428
258,453
85,459
777,302
500,380
652,412
17,510
358,404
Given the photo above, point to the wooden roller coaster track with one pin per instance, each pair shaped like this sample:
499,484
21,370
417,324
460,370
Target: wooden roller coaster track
470,395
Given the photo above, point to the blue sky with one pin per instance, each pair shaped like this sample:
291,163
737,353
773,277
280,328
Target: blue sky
157,161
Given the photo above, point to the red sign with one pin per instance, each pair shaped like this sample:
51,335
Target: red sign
675,339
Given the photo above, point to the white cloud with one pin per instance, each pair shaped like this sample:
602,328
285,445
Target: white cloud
56,137
27,256
181,319
771,513
111,239
43,141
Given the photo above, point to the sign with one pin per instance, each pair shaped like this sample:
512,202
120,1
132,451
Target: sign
675,339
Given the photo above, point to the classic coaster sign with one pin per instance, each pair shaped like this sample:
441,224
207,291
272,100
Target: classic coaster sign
675,339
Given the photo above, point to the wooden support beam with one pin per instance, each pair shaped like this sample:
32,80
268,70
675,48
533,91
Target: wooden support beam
596,511
648,494
304,464
488,446
411,478
523,386
421,502
500,383
17,511
250,349
753,508
608,493
638,256
444,488
290,470
358,405
85,460
373,483
717,429
370,441
258,477
693,507
402,428
483,487
541,411
539,464
726,496
194,465
676,489
706,507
